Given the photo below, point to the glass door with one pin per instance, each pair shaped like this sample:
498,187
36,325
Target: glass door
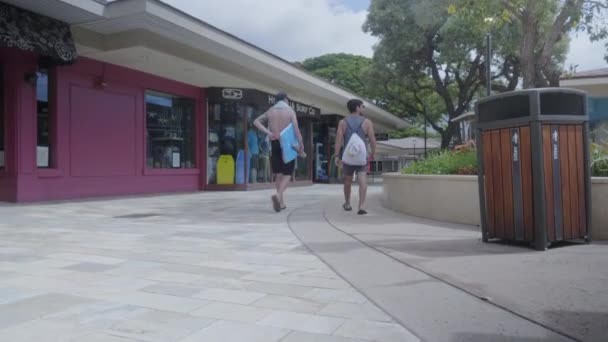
302,169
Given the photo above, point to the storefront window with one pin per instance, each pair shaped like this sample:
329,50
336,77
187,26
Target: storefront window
259,151
169,131
238,153
1,117
226,147
44,121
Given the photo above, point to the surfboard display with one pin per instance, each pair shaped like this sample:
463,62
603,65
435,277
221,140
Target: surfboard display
240,167
225,169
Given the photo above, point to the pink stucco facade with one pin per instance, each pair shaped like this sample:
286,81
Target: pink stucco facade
98,137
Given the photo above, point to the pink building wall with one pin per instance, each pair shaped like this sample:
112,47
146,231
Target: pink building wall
99,142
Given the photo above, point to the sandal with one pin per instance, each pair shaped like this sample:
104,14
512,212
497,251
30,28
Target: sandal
347,207
361,212
275,203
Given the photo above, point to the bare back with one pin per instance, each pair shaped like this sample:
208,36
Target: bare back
279,118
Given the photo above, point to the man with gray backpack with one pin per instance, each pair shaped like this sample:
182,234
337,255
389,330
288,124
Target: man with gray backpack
353,131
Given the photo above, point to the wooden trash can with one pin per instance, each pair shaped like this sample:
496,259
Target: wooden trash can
534,175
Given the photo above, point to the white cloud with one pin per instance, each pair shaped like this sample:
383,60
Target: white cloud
586,54
294,29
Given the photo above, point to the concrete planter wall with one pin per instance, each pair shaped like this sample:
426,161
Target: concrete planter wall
456,199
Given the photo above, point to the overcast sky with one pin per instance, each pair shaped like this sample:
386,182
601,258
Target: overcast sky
297,29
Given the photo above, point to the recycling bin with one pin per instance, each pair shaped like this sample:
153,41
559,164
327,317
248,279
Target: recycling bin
534,175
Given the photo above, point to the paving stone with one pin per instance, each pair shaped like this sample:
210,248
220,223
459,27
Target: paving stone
233,312
155,301
280,289
230,296
90,267
302,322
87,258
331,295
289,304
225,331
102,337
43,330
299,336
179,290
13,294
160,326
35,307
375,331
97,315
366,311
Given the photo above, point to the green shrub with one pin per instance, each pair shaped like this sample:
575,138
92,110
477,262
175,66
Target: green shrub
446,163
465,163
599,160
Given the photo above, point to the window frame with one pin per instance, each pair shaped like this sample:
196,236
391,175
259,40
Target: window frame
53,169
195,169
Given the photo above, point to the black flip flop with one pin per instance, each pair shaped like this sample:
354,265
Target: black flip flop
275,203
347,207
361,212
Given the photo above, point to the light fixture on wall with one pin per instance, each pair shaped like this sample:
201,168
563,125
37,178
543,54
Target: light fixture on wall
100,81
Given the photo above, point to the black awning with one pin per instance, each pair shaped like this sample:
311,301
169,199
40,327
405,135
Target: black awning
33,32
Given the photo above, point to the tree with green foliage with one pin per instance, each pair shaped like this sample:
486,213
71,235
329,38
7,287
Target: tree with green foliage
354,73
542,29
341,69
429,62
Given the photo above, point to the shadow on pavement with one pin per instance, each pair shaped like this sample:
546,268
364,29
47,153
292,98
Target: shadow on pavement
588,326
446,248
473,337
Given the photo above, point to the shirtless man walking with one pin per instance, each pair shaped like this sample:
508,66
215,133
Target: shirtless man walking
279,117
355,123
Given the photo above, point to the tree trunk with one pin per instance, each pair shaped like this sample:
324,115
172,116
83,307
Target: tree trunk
527,50
448,134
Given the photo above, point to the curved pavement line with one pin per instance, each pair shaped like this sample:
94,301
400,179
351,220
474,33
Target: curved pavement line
354,286
391,284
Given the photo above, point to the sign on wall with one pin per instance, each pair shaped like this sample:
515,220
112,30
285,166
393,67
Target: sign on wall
262,99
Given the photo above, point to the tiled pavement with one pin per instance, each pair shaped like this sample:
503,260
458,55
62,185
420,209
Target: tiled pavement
196,267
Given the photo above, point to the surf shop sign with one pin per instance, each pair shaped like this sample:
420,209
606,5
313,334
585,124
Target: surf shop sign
300,108
259,98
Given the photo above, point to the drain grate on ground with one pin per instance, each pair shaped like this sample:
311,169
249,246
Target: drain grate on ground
137,216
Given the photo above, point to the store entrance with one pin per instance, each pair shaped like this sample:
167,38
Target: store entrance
324,138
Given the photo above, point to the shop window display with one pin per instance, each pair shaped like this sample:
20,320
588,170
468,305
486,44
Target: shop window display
259,151
44,120
226,147
238,153
169,131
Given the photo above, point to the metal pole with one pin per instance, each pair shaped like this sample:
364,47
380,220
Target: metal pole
489,63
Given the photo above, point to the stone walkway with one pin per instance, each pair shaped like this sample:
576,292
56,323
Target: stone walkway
443,284
197,267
